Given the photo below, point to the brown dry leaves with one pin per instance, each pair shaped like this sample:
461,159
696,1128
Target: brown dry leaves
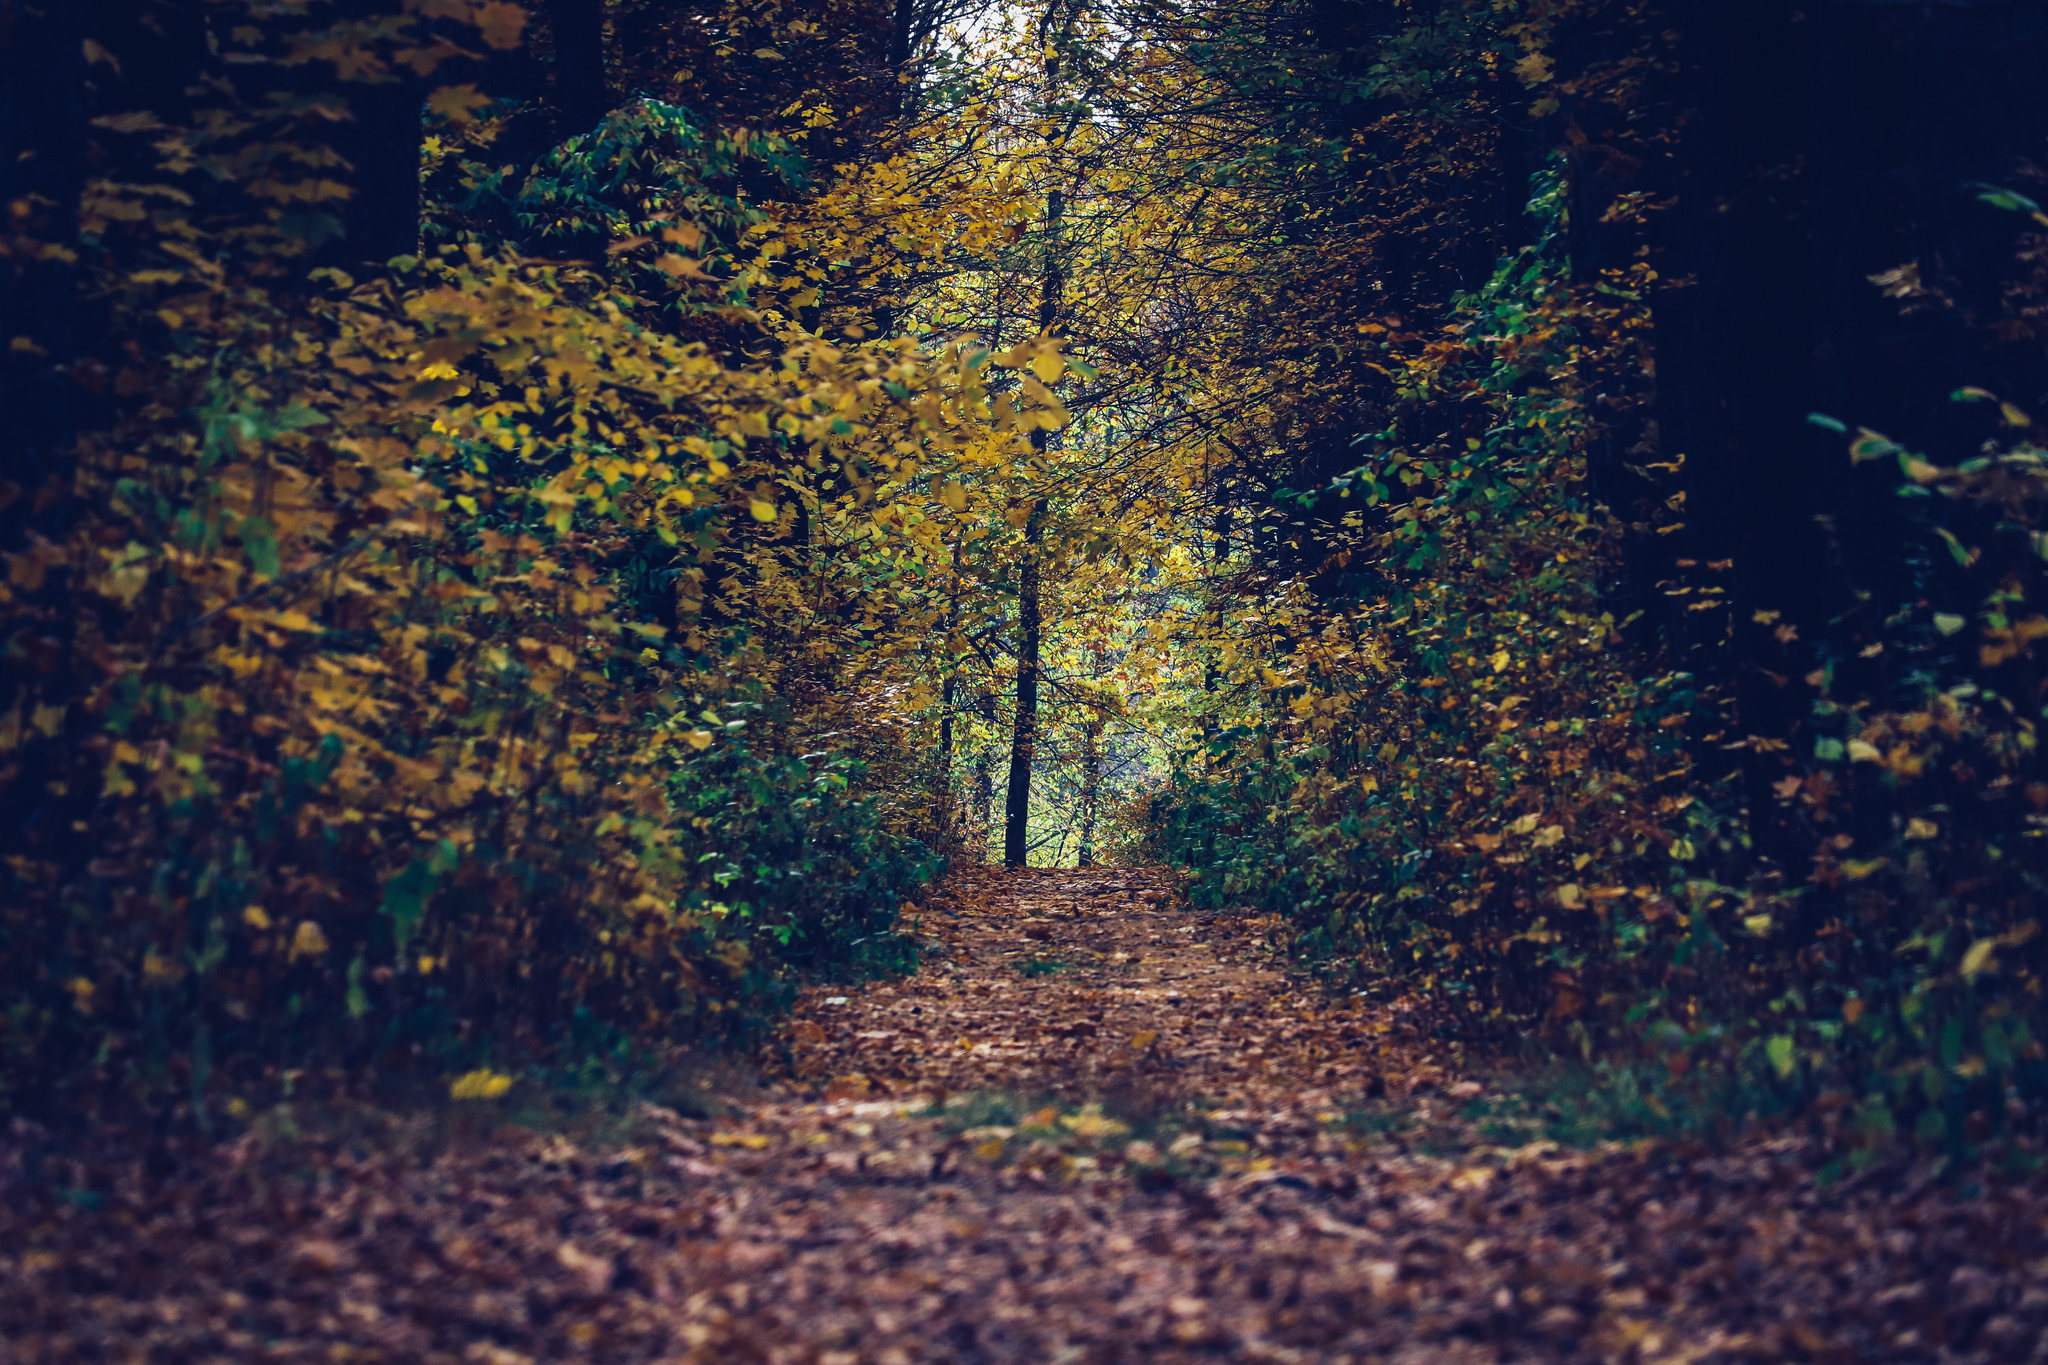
1130,1158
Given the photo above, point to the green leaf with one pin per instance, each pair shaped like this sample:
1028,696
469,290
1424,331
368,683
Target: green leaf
1779,1050
1962,554
2012,201
259,542
405,900
1871,445
358,998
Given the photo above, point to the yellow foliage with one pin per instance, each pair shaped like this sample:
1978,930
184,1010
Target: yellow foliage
479,1085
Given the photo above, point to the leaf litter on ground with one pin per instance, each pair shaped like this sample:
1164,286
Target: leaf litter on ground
1168,1149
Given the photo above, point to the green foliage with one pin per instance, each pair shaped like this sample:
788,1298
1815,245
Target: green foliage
1519,820
795,864
364,707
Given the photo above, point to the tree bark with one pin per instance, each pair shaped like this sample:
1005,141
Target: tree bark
946,736
948,692
577,27
985,767
1024,731
383,143
1091,787
42,166
1024,736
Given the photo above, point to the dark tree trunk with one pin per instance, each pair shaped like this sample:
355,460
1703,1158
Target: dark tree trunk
946,694
382,144
42,165
1024,731
903,34
1024,738
580,92
380,141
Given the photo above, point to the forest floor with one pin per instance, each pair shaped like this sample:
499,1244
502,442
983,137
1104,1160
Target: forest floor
1093,1127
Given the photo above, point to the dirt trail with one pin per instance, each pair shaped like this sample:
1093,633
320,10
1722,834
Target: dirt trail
1093,984
1092,1128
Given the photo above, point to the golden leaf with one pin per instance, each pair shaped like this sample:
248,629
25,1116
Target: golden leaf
1533,69
309,941
1092,1123
457,103
479,1085
501,23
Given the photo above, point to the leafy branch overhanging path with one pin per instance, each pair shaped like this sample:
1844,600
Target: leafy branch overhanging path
1093,1128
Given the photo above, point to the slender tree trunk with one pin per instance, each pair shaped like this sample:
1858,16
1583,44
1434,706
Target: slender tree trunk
1091,787
946,693
949,691
1024,732
985,767
1024,736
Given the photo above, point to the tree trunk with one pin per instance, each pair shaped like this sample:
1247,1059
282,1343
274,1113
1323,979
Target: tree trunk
42,167
1024,730
577,27
383,143
985,768
1091,787
946,736
948,692
1024,736
902,37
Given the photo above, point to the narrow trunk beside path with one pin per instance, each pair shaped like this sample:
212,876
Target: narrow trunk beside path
1094,1127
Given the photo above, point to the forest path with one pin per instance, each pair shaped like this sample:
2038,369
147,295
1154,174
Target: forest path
1093,1128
